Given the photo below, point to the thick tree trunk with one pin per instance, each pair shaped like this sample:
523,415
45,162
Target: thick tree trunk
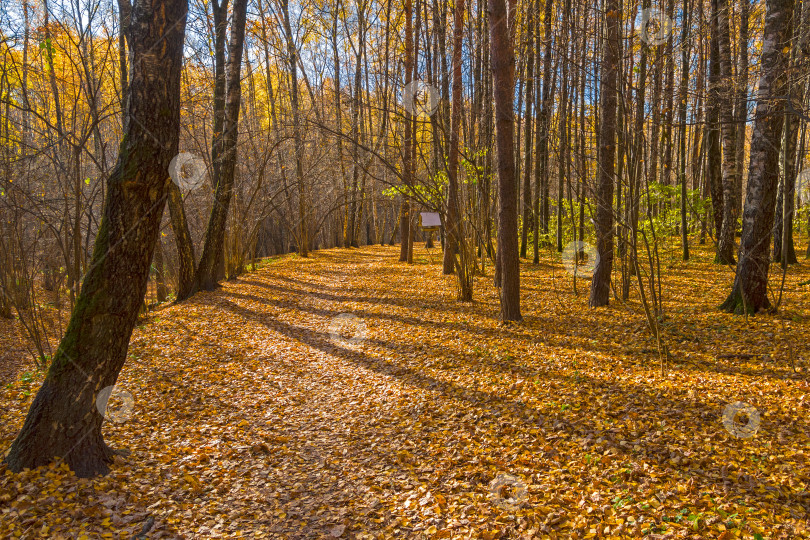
503,75
64,420
750,290
600,284
224,157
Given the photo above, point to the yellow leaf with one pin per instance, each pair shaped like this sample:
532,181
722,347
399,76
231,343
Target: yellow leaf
191,480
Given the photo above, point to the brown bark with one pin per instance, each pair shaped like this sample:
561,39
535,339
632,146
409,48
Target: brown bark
182,239
454,236
541,178
303,194
503,74
223,153
63,420
714,164
636,167
750,290
600,284
562,122
160,274
407,141
682,97
527,140
741,107
728,130
786,254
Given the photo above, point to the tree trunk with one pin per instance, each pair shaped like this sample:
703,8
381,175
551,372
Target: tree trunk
185,246
636,165
303,194
543,119
64,420
741,111
160,274
682,97
223,155
357,104
790,164
714,164
750,290
503,75
562,122
728,129
600,284
407,141
454,232
527,146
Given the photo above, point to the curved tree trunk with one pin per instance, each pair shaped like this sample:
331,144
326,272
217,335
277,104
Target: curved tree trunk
64,420
223,157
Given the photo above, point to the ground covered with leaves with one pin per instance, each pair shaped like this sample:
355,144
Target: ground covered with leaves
348,395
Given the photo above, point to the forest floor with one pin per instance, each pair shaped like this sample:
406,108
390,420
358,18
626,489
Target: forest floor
255,416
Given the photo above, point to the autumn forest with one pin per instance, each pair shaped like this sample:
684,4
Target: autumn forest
481,269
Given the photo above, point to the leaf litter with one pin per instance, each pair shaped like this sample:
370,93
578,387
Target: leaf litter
256,415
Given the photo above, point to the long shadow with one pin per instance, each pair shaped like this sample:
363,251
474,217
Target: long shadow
524,413
552,328
783,374
501,332
345,295
563,338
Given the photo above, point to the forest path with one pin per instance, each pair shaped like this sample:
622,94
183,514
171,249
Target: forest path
255,416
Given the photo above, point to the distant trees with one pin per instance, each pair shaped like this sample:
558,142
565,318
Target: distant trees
306,141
